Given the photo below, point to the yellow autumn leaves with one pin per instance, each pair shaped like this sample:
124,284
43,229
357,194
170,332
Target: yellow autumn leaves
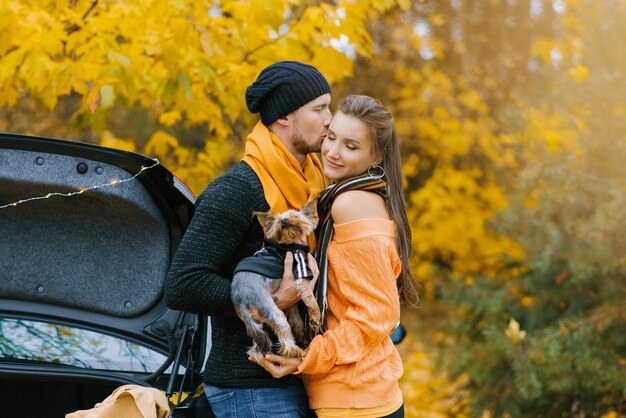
476,110
514,333
185,63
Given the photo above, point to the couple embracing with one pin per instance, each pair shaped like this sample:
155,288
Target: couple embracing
363,247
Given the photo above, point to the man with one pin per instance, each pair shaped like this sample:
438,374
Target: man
279,171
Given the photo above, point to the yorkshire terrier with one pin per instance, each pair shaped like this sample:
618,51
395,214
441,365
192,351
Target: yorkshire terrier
257,277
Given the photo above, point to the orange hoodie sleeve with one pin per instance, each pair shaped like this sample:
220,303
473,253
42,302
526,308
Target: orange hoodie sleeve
363,296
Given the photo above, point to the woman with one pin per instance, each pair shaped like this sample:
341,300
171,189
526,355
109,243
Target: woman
364,247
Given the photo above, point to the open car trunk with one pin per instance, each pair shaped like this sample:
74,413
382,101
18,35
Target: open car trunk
87,235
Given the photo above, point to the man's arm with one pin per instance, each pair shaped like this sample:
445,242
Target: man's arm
220,226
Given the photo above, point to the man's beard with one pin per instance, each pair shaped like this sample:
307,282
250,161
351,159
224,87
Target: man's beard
301,145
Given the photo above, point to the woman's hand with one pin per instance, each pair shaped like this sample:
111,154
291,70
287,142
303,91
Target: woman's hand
287,294
278,366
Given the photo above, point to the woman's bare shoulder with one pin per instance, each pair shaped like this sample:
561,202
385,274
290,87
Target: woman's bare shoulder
358,204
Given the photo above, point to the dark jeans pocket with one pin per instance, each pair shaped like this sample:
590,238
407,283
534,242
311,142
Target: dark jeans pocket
201,408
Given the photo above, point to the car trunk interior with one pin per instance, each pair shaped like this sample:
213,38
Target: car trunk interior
49,398
105,250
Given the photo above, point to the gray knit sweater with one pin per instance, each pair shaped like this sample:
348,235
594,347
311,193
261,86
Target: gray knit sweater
221,233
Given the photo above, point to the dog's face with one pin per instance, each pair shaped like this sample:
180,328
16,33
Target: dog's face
292,226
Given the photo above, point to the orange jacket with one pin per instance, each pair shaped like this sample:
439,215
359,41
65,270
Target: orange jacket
354,364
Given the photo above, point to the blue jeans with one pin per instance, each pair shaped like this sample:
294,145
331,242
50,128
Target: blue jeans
282,402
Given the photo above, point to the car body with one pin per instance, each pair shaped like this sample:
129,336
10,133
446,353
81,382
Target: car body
87,234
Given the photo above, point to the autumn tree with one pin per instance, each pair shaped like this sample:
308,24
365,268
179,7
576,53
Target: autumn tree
442,98
163,77
511,115
546,337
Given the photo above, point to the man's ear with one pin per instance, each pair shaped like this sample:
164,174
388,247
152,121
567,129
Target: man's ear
284,121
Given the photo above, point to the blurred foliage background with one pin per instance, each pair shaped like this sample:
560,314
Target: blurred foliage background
512,115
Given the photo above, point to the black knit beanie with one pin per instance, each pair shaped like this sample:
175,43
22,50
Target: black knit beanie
283,87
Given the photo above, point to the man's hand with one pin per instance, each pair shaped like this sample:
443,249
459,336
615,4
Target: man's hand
287,294
278,366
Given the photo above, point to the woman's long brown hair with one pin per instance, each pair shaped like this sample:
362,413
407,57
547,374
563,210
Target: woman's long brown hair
385,143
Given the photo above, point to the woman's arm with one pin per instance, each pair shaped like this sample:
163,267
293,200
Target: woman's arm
368,288
368,268
371,317
366,265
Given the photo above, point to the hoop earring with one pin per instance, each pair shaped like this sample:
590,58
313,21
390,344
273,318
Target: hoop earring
376,171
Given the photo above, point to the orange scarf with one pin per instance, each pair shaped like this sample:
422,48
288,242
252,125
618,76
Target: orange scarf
286,184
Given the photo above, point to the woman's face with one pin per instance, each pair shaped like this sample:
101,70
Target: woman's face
347,150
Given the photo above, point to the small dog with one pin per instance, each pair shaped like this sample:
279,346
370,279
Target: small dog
257,277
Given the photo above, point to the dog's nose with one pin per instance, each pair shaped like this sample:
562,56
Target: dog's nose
284,222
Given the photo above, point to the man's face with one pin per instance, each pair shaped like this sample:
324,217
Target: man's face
310,125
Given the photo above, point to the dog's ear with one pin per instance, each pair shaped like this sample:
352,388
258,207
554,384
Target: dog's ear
265,219
310,210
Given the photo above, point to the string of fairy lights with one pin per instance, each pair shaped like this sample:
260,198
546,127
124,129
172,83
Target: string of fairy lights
112,183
